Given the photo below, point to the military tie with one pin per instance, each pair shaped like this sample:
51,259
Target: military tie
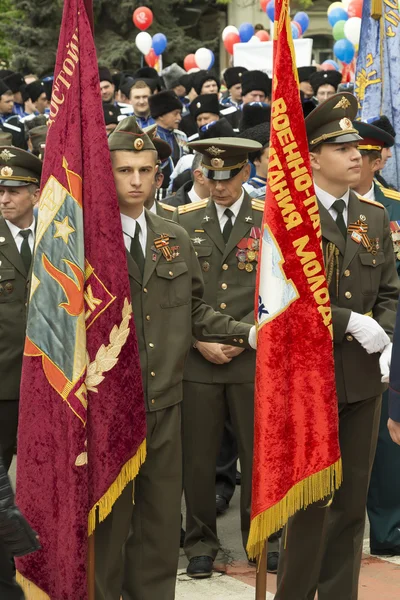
226,232
26,253
136,249
339,206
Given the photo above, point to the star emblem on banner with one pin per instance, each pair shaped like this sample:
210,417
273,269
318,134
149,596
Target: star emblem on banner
63,229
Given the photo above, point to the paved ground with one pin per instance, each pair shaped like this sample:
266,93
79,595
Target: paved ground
380,578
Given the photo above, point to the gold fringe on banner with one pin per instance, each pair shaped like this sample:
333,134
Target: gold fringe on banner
127,474
376,9
31,591
306,492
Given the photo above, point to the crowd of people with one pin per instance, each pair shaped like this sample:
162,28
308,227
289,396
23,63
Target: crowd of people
199,175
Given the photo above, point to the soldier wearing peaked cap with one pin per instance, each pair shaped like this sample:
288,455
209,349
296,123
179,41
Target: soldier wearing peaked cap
166,291
219,379
19,191
324,542
325,84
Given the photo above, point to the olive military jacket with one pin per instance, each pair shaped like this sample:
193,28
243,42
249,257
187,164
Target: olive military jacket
228,288
164,210
363,282
391,201
169,309
14,287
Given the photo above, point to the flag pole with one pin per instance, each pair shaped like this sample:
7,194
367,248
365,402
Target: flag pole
261,576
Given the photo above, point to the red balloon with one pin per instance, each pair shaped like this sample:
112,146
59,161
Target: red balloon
190,62
263,35
142,18
354,8
151,58
298,27
263,6
230,40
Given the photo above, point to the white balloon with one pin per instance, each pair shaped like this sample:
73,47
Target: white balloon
346,4
144,42
203,58
229,29
352,30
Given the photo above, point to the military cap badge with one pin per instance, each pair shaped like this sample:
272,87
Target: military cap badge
138,144
6,172
6,155
345,124
214,151
343,103
217,163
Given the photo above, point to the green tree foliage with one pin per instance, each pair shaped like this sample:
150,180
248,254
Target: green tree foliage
8,15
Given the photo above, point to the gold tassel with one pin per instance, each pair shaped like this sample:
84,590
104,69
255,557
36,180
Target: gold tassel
31,591
376,9
127,474
306,492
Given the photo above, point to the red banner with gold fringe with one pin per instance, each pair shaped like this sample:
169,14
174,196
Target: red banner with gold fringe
82,422
296,448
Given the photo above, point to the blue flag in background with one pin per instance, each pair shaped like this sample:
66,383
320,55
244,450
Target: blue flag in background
377,84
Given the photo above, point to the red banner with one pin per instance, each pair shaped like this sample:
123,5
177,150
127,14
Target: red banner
82,418
296,451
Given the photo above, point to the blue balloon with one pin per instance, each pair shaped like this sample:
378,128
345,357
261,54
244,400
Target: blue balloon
159,43
337,14
344,51
212,59
295,31
246,32
271,10
331,62
303,20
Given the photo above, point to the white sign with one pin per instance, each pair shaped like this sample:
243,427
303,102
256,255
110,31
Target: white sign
259,55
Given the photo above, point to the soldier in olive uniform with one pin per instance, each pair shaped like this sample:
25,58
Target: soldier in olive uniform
324,542
19,191
384,491
218,379
168,306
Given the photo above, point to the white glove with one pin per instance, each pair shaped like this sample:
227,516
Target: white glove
253,338
384,362
368,332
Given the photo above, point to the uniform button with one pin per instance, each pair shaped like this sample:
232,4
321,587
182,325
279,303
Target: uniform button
0,276
170,273
374,261
222,305
151,345
196,253
147,317
224,286
348,295
225,267
240,341
145,290
153,401
152,374
26,304
235,340
347,273
349,338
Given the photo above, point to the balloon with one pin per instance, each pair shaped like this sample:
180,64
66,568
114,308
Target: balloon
142,18
336,5
230,40
337,14
229,29
344,51
303,19
159,43
143,42
263,35
255,40
189,62
298,27
330,65
263,5
338,30
151,58
271,10
246,32
203,58
295,31
354,8
352,30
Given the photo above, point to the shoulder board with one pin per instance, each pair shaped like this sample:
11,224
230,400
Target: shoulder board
392,194
228,111
184,208
257,204
370,202
167,207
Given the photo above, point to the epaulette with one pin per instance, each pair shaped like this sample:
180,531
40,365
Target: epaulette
258,204
370,202
392,194
167,207
184,208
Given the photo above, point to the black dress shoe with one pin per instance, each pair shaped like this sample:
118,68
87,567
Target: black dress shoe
272,562
394,551
182,542
221,504
200,567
